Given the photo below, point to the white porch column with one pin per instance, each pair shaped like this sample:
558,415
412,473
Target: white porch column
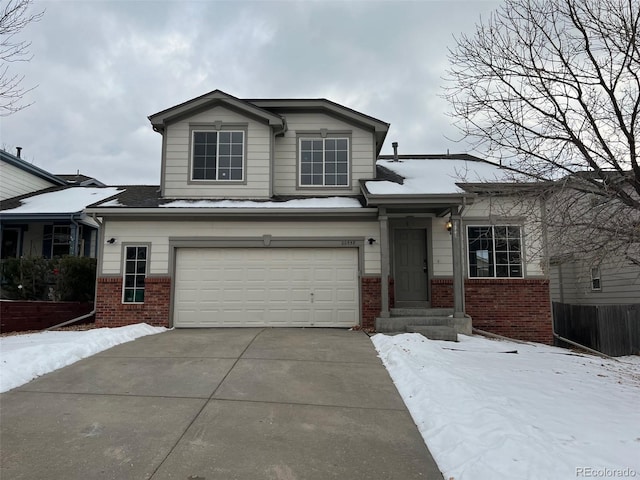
384,263
458,266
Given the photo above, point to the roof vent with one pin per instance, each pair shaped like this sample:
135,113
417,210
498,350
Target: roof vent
18,150
395,151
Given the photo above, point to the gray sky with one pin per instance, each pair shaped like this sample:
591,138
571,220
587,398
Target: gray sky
101,67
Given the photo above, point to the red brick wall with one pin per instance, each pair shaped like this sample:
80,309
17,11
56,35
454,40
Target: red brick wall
17,316
514,308
371,294
111,312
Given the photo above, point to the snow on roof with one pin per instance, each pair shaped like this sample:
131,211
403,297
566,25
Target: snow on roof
438,176
70,200
328,202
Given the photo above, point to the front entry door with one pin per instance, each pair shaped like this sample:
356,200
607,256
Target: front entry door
410,267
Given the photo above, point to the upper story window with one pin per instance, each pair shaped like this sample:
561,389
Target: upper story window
218,155
324,162
495,251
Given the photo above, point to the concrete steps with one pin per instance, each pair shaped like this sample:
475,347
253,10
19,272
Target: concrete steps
435,333
433,323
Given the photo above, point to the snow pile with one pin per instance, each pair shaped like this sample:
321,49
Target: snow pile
329,202
25,357
434,176
70,200
543,413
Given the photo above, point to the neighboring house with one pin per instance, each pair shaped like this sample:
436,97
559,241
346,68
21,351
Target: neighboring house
277,212
42,214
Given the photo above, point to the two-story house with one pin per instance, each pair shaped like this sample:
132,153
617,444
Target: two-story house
281,212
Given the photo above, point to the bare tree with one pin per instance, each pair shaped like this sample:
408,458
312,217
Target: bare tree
14,17
551,88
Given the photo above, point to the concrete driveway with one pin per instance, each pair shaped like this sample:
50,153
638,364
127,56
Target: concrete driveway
283,404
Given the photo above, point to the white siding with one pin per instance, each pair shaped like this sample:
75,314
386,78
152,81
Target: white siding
619,281
158,233
15,181
32,240
257,159
487,211
286,161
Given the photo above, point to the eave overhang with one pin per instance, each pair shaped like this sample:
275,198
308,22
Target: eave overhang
217,97
266,213
435,201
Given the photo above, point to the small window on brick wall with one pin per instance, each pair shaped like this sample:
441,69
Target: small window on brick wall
135,272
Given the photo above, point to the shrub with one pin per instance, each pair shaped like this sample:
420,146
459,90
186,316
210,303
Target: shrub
58,279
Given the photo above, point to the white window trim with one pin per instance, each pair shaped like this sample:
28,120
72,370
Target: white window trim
193,146
493,240
124,271
324,139
597,277
53,238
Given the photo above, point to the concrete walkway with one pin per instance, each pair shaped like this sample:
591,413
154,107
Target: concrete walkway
282,404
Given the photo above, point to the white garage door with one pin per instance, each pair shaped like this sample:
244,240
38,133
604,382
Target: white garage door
278,287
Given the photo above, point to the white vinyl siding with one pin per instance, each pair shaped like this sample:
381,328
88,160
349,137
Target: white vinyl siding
249,287
177,181
487,211
15,182
158,232
619,283
286,161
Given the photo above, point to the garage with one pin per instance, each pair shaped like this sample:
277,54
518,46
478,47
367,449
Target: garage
276,287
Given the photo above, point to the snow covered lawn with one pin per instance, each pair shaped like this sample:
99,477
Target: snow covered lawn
541,413
25,357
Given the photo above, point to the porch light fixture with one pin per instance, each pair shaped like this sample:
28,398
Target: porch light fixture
449,225
371,240
111,241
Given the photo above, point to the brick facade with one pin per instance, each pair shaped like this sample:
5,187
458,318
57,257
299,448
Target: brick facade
516,308
111,312
18,316
370,293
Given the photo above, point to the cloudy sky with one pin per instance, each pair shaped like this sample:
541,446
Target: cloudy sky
101,67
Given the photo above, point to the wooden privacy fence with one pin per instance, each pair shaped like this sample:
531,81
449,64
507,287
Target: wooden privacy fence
611,329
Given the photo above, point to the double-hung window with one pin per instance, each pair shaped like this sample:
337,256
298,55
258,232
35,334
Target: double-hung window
324,162
495,251
595,279
135,272
60,240
217,155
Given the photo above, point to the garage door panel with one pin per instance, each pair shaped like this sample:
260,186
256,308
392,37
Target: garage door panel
266,287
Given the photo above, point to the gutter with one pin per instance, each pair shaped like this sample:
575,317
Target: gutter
95,298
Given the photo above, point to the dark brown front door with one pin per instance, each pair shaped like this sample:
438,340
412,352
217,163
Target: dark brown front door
410,267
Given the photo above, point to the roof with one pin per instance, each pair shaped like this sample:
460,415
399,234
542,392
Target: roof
432,174
66,200
161,119
32,169
79,179
271,110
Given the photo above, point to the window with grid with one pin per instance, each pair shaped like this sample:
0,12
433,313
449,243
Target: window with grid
495,251
60,240
218,155
324,162
135,272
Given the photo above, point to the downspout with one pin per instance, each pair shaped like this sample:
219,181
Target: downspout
545,240
95,295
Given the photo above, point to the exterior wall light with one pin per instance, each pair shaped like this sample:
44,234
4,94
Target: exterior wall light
371,241
449,225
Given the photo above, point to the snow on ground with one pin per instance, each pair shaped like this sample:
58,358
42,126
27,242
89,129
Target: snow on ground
544,413
25,357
